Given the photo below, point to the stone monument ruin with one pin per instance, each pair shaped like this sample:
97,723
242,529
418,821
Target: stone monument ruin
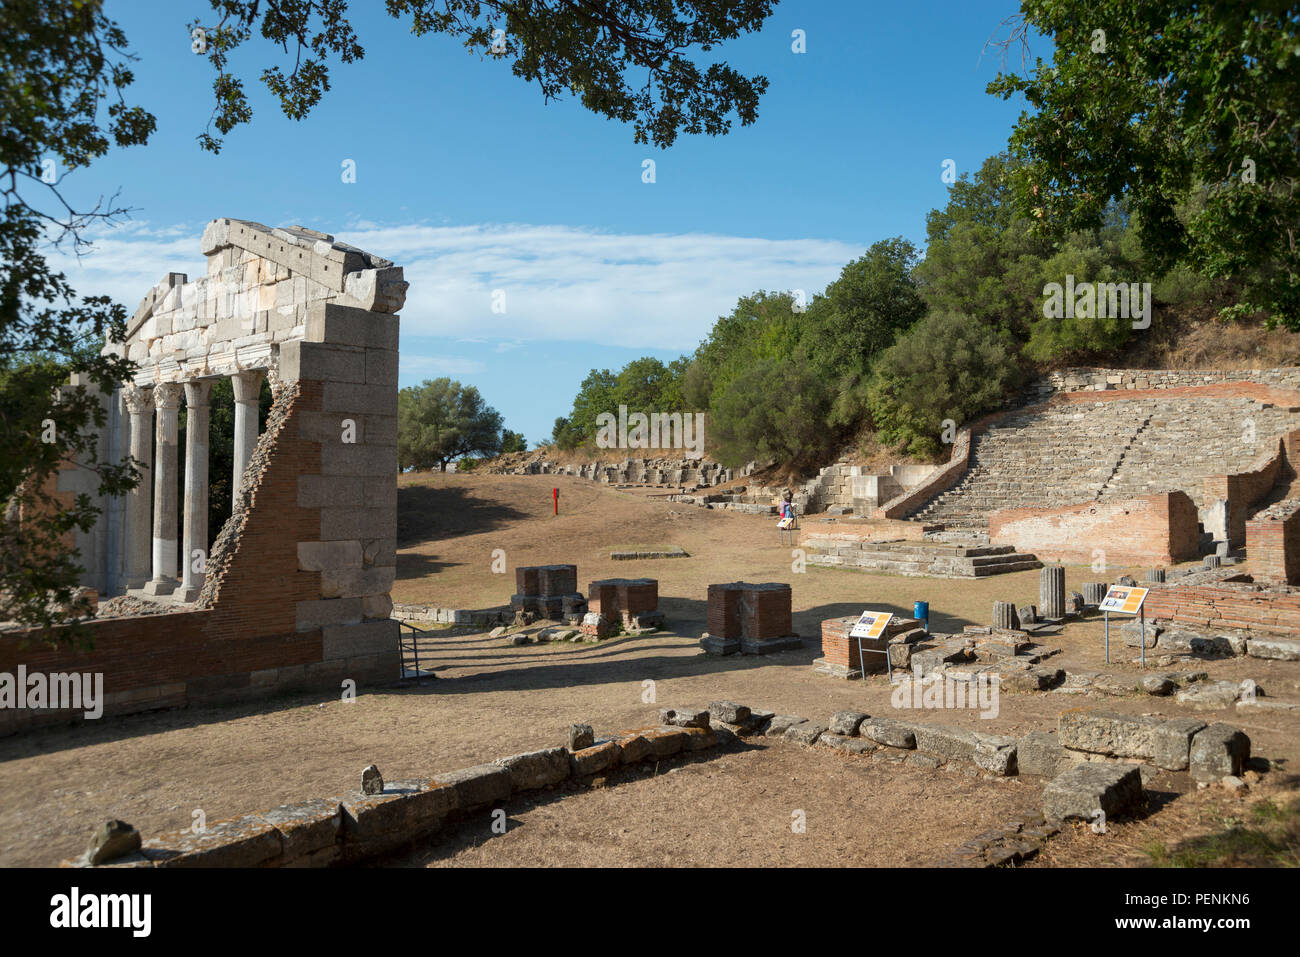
295,592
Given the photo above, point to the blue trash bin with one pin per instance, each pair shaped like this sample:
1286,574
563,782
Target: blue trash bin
921,612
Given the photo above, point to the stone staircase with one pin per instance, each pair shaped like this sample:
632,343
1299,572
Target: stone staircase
917,559
1082,452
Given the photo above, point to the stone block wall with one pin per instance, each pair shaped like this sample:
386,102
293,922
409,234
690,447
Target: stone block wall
1155,529
1105,380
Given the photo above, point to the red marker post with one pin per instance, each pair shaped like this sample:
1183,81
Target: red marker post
555,498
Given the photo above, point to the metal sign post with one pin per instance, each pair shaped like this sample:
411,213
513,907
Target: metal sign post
872,625
1126,600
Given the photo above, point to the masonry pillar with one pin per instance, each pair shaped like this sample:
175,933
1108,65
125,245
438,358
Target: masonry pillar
139,520
167,402
248,389
196,489
1051,591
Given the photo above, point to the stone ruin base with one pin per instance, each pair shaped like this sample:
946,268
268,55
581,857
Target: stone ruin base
840,650
752,619
548,591
630,602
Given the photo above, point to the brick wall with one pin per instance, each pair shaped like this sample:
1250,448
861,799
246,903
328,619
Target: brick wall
841,649
1154,529
1243,606
743,610
1273,544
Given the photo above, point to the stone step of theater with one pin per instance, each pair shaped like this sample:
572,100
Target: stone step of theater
932,559
1066,454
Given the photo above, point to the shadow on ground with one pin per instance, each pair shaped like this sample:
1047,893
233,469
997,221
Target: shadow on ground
425,513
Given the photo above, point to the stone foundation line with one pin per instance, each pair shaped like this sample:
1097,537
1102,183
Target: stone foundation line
381,818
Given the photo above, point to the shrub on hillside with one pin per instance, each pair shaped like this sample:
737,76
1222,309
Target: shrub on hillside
777,410
947,366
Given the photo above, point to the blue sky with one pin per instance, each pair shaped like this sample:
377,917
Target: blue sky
472,183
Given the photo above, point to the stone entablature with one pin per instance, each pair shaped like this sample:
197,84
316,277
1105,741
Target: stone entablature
260,285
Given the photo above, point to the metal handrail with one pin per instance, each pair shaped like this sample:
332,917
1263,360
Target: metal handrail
415,645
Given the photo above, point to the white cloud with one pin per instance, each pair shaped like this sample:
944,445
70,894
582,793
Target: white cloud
656,290
567,283
125,261
438,365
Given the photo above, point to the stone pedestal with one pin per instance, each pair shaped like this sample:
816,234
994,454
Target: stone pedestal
548,591
840,657
1051,591
633,601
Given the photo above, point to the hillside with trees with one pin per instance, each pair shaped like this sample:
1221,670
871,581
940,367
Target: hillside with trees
1126,175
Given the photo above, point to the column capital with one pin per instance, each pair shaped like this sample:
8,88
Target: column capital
248,384
197,392
167,396
138,399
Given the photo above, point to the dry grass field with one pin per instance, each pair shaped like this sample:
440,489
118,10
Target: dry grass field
492,699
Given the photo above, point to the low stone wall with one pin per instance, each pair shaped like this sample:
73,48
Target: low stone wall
360,826
1103,380
1154,529
1209,752
659,471
1251,608
484,617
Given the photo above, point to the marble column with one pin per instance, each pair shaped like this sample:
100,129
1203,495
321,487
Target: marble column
139,520
167,404
194,554
248,389
1051,592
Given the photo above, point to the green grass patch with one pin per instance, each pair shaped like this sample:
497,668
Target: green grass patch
1269,838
